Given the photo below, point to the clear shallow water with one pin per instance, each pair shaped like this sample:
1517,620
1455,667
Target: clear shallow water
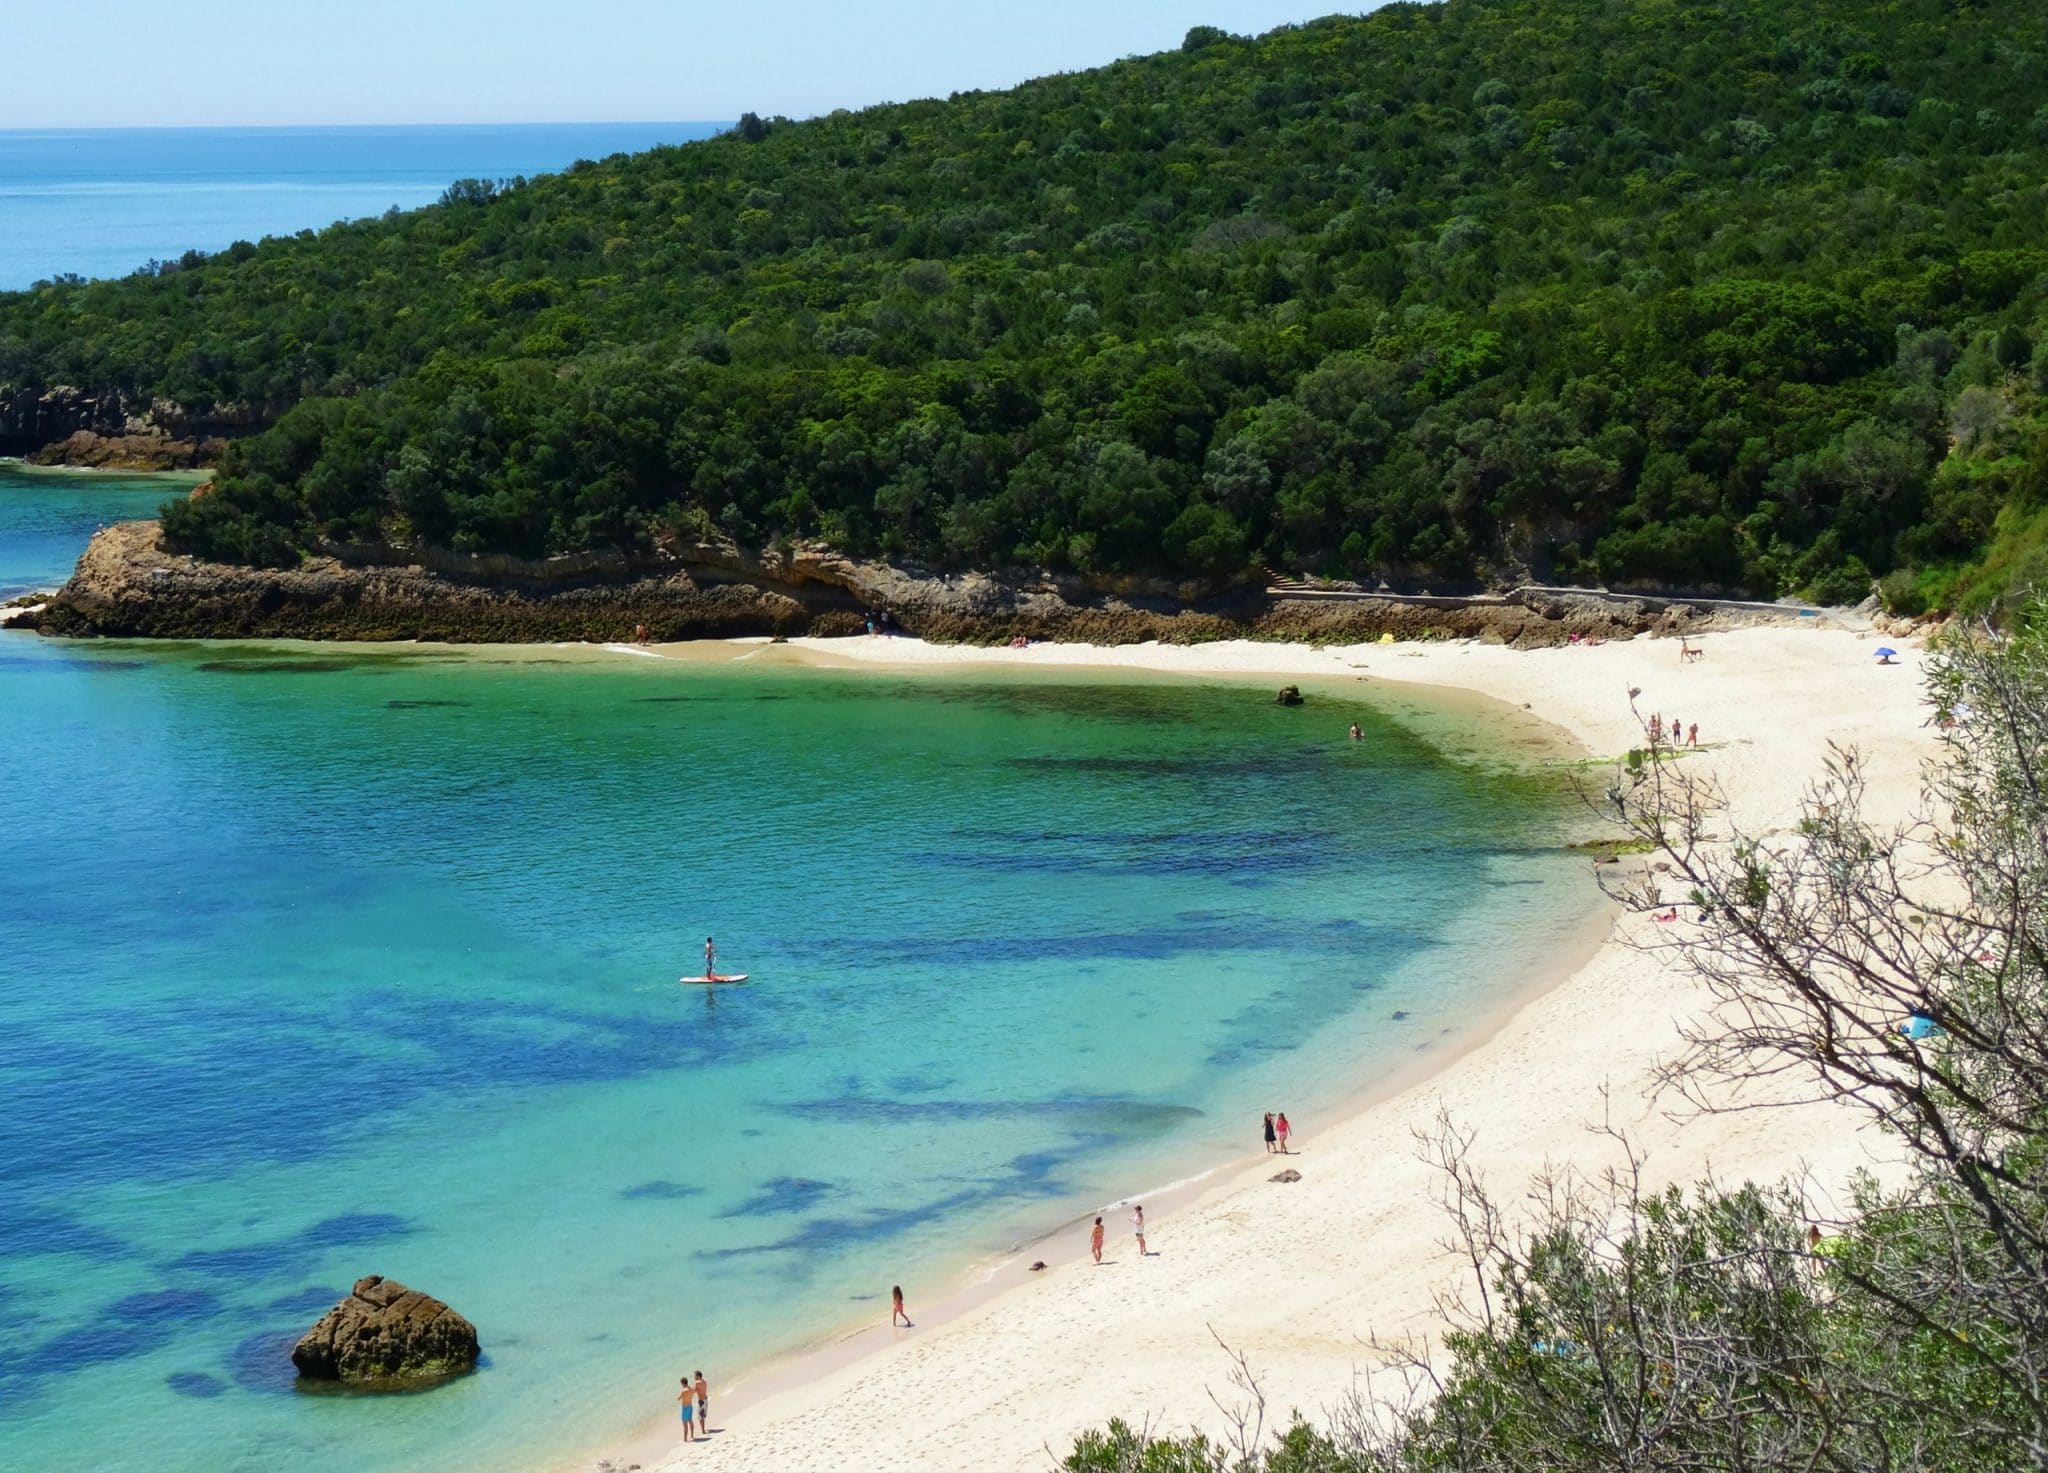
102,201
47,517
322,962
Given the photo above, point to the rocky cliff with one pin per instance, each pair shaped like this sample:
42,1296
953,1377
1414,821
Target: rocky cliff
39,423
127,583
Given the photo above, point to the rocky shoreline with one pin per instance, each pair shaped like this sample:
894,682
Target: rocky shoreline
87,450
128,584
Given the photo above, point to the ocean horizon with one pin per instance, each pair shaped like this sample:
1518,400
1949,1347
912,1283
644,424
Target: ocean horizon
99,202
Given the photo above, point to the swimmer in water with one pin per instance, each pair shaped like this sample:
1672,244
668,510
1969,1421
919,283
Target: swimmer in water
1356,734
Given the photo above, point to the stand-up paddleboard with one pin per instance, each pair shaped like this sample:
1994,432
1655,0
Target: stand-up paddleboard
725,979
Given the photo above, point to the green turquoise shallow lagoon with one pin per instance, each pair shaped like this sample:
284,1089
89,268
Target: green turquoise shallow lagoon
47,517
323,962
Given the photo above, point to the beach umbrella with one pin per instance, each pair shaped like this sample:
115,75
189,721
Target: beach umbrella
1885,652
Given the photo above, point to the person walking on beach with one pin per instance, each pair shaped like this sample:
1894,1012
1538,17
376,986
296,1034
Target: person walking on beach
703,1390
689,1401
896,1309
1095,1241
1138,1230
1280,1128
1692,735
1269,1133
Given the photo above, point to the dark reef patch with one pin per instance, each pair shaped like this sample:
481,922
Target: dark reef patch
280,1257
196,1384
133,1326
314,1299
783,1195
1113,1114
1266,764
823,1235
263,1361
71,663
25,1231
1034,1174
424,705
1340,937
398,1048
660,1191
279,666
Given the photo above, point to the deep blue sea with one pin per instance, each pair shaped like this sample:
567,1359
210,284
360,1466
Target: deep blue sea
324,961
103,201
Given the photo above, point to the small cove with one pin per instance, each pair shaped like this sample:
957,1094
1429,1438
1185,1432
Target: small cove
330,961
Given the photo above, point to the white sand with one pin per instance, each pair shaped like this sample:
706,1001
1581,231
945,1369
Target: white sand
1294,1276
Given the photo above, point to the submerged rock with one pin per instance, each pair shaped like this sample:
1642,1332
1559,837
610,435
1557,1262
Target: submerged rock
1290,695
385,1334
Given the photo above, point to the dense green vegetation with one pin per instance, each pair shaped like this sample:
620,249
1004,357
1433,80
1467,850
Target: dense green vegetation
1738,294
1902,973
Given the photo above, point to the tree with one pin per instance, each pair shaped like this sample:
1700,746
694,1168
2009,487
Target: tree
1551,282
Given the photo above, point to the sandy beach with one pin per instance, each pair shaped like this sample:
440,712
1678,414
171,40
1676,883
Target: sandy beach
1004,1373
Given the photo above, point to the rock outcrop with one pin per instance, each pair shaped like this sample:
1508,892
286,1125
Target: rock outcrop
128,583
386,1335
130,452
34,420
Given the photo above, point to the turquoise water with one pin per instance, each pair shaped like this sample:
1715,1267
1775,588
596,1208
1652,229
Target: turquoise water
102,201
320,962
47,517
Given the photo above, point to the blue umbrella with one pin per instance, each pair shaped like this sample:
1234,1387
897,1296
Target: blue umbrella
1884,651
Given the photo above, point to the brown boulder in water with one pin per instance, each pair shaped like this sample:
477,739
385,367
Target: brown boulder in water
1290,695
387,1335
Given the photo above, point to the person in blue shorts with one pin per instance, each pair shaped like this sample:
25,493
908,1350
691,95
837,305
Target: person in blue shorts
689,1403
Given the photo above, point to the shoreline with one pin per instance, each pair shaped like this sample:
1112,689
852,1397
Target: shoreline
22,465
127,583
985,1282
1150,1354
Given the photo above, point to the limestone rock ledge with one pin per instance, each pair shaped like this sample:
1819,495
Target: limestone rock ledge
150,452
128,583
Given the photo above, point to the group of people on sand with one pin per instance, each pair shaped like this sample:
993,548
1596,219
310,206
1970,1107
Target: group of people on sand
1671,732
1277,1131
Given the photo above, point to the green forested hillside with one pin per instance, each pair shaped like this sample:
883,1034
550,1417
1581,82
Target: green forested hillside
1741,294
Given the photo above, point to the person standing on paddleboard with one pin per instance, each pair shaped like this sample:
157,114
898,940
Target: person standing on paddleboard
710,958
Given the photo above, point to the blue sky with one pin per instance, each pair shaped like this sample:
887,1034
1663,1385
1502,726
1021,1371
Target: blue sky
134,63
